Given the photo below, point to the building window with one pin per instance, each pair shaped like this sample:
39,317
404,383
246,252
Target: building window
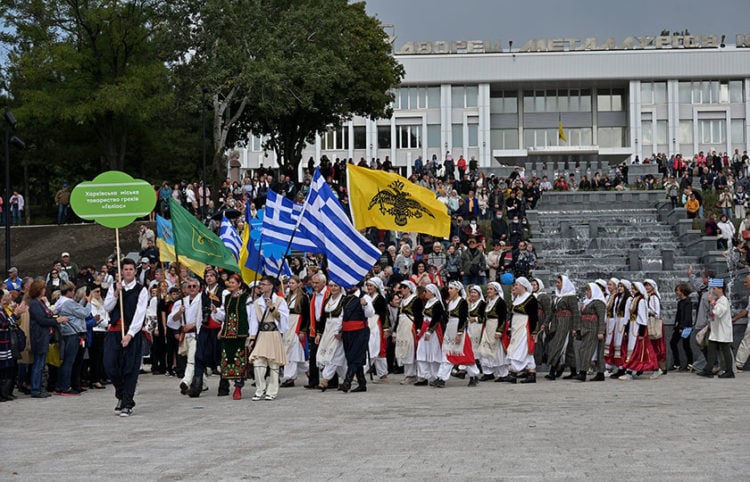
610,100
433,97
561,100
472,95
411,98
712,131
360,137
384,137
433,135
611,136
504,138
738,133
647,133
256,143
686,132
735,92
409,137
458,135
711,92
473,140
661,132
335,139
457,96
505,102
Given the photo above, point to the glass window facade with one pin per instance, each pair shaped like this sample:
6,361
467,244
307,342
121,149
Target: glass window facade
409,137
711,92
504,138
712,131
504,102
558,100
384,137
458,135
411,98
433,135
612,136
738,132
579,136
686,132
360,137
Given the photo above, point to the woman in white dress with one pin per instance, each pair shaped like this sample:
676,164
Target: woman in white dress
491,352
299,321
409,318
523,325
379,327
430,337
456,345
331,358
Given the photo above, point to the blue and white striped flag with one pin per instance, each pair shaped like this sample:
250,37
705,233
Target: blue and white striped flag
276,268
350,255
280,221
230,237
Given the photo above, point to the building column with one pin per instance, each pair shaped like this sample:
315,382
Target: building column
673,116
483,103
747,113
519,109
350,126
393,142
446,121
318,147
595,116
636,137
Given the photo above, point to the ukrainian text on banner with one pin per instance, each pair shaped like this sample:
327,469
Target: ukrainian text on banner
389,201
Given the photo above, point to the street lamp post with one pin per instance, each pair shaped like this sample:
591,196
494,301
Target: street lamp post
203,140
10,123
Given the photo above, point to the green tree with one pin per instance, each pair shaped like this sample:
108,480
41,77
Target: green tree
97,66
286,69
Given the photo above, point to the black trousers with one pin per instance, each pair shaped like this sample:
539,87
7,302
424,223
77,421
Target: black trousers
314,373
674,345
204,350
123,364
96,356
355,350
159,353
213,349
172,346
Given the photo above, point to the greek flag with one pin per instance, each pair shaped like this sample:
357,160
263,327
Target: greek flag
323,220
276,268
229,236
280,222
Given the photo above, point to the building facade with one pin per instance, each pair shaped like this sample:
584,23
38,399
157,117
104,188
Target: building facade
614,101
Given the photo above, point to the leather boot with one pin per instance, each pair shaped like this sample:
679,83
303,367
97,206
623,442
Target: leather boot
361,382
553,373
473,381
346,385
530,378
598,378
196,386
581,376
4,391
223,388
573,374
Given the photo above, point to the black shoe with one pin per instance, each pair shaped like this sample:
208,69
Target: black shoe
551,375
598,378
530,378
581,376
704,373
344,386
573,375
287,384
728,374
360,388
617,374
184,389
118,407
459,374
310,386
41,395
506,379
126,412
487,378
473,381
421,383
437,383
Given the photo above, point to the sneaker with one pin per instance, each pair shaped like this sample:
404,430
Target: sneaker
255,398
739,368
656,374
727,375
627,376
270,397
126,412
118,407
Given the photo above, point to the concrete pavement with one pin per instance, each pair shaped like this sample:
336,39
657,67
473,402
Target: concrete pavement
680,427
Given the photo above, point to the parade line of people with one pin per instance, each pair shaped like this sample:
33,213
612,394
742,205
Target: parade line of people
275,332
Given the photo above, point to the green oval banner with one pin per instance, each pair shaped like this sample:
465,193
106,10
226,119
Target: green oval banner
113,199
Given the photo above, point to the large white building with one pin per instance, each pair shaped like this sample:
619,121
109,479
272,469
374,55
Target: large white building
615,100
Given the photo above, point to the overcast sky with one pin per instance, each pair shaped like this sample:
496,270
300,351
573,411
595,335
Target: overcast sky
523,20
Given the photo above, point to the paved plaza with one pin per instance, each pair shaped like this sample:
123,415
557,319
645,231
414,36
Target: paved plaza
680,427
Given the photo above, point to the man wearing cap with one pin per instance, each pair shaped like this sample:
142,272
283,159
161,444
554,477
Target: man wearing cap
720,334
68,266
13,282
145,272
145,234
62,199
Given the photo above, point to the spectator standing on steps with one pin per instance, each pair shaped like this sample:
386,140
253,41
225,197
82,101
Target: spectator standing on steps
62,199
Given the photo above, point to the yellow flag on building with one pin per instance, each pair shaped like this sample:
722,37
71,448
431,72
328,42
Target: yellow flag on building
560,130
389,201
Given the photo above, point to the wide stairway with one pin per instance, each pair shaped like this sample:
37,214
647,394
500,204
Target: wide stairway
612,237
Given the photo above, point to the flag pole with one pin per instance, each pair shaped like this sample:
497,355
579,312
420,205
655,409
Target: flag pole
119,275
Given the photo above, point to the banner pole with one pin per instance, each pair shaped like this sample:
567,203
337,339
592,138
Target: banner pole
119,275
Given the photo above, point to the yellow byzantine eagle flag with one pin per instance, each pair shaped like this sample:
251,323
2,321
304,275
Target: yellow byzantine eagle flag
389,201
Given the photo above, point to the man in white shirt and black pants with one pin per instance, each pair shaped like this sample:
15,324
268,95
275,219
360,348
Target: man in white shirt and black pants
122,355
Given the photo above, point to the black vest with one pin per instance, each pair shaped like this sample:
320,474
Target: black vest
129,299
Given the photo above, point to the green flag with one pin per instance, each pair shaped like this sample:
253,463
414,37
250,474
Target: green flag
195,241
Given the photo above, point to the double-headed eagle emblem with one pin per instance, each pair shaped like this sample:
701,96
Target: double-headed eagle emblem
394,201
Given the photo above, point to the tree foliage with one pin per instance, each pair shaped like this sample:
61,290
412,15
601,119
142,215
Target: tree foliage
286,69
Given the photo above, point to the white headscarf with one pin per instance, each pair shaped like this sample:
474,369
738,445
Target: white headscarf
522,281
627,284
567,288
412,287
478,290
498,289
459,286
596,294
540,284
653,285
602,284
641,289
436,292
378,284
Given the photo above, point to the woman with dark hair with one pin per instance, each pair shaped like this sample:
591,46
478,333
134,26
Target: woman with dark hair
233,336
296,336
683,326
42,322
421,277
618,347
641,355
8,363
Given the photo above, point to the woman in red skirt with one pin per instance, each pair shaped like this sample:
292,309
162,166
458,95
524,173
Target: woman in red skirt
642,358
